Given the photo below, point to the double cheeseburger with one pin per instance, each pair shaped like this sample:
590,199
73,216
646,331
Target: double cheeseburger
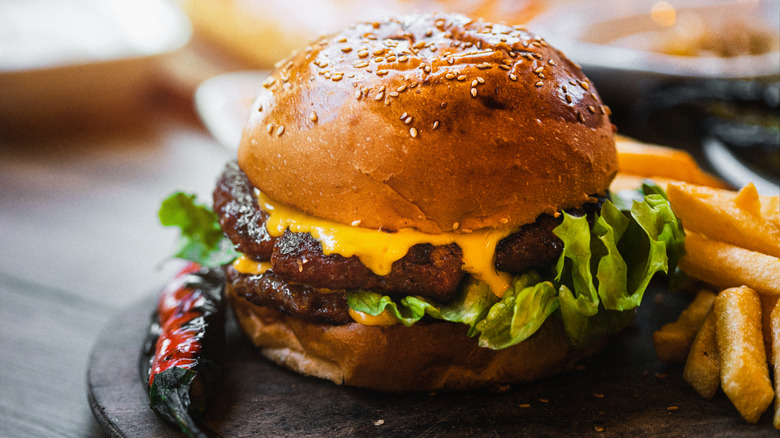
394,183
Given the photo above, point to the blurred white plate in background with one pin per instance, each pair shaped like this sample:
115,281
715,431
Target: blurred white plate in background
61,61
223,104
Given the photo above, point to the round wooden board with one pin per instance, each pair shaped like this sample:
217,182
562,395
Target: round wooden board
623,391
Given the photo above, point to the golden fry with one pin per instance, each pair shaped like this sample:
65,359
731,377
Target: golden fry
702,369
768,303
728,216
775,330
651,161
744,375
673,341
725,265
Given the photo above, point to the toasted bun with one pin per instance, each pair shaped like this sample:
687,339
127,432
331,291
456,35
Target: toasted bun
436,122
423,357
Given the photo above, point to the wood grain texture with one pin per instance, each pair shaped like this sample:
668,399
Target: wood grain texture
79,241
257,398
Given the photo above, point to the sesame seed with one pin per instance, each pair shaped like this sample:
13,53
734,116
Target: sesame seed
455,226
541,75
591,109
401,89
403,58
449,76
378,51
269,128
342,39
358,93
363,53
450,61
427,69
408,120
580,117
280,131
544,400
382,72
360,64
435,124
504,220
473,92
313,116
413,132
393,94
672,408
337,77
419,44
413,84
568,98
474,83
504,67
539,70
524,405
428,33
539,84
260,108
382,88
598,428
379,96
403,116
598,395
346,49
356,223
585,85
462,78
551,62
513,77
379,59
480,80
484,65
563,87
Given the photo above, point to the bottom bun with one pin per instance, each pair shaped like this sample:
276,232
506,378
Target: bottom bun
424,357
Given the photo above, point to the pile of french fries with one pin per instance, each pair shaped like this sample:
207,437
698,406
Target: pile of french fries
732,242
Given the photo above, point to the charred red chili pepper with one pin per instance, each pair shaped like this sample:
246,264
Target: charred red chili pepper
183,349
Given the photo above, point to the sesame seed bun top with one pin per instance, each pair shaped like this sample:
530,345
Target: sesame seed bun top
436,122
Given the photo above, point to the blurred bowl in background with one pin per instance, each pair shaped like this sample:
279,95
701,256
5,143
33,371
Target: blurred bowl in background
629,47
75,63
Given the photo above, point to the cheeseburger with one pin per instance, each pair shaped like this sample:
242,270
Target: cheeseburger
421,204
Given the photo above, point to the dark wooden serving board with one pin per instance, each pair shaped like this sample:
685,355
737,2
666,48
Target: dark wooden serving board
623,391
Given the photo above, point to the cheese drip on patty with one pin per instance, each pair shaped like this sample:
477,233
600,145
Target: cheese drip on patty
378,249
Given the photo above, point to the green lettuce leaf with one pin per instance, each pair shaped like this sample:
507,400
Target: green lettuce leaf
519,314
469,308
597,283
201,239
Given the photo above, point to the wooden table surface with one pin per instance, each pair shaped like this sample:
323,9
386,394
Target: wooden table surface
80,242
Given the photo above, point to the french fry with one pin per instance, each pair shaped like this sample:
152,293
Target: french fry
768,303
725,265
702,369
744,375
728,216
648,160
775,330
673,341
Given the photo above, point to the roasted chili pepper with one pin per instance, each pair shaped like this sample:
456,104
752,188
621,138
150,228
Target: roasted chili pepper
182,359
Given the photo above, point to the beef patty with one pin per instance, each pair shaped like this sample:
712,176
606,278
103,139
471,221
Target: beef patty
426,270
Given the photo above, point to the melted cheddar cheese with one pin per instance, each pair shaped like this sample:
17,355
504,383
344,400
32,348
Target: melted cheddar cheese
378,249
245,265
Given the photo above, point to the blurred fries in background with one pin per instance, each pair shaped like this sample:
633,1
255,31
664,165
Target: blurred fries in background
261,32
673,341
